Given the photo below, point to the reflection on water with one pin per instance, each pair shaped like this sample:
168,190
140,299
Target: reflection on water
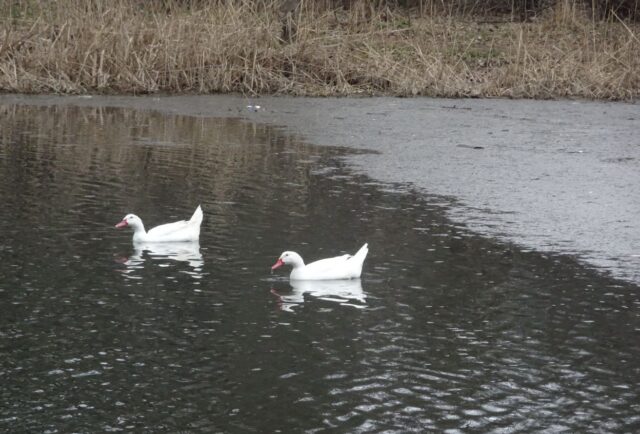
453,332
188,252
343,292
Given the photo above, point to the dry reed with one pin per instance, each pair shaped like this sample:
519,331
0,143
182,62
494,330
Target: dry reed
102,46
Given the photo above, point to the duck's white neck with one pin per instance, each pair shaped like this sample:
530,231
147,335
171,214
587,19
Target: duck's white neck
139,234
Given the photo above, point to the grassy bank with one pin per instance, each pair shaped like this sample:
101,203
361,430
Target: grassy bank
105,46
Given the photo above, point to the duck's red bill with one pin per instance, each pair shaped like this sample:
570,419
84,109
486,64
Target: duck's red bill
279,263
122,224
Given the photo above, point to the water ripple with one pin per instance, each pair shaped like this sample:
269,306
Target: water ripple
446,332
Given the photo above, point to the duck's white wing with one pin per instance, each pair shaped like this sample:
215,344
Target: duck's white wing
183,230
168,229
329,265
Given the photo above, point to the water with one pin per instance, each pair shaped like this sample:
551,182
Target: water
447,331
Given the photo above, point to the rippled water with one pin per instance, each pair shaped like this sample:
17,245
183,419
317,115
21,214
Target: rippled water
447,331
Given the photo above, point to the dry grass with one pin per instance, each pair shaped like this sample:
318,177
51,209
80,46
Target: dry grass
73,46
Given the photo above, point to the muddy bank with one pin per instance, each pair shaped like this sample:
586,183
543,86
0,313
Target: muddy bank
555,176
207,47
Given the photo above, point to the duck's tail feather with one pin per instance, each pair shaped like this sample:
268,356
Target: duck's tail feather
358,260
196,218
362,253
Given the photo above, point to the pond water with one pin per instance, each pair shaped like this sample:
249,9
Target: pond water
447,330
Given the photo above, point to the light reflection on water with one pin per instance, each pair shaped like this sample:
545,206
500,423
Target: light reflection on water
343,292
162,254
446,330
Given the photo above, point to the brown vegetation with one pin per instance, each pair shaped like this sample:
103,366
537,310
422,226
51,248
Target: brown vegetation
560,49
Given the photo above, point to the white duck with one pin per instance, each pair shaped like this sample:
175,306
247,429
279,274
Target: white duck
340,267
180,231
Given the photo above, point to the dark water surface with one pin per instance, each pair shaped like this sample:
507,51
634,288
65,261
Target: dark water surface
447,331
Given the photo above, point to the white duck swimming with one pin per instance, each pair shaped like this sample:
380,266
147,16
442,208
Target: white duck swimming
180,231
340,267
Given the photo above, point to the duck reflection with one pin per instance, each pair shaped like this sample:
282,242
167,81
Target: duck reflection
188,252
343,292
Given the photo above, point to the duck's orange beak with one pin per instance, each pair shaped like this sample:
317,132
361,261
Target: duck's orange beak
279,263
122,224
